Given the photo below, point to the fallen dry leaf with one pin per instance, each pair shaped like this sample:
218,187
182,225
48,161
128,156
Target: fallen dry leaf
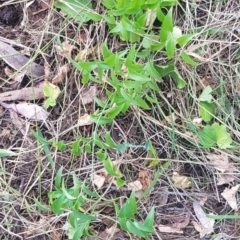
163,196
221,163
17,61
61,74
202,230
206,224
84,54
28,110
65,50
28,93
230,196
112,230
181,221
171,118
88,96
180,181
98,180
34,228
135,186
197,121
144,178
152,14
85,120
17,121
169,229
225,179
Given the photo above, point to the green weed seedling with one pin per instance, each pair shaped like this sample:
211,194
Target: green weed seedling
70,200
127,219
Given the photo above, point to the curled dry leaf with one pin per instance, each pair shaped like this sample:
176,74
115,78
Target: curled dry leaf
180,181
61,74
88,96
230,196
151,17
85,120
65,50
28,110
17,61
206,224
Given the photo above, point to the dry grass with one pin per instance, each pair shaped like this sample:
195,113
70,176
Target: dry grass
29,175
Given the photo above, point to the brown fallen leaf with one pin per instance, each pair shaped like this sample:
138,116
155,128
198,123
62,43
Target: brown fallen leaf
206,224
180,181
144,178
85,120
63,70
88,96
230,196
181,221
17,61
28,110
65,50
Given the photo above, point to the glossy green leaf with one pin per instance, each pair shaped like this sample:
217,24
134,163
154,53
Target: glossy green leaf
167,26
109,140
206,95
75,148
57,204
111,169
206,110
188,59
75,9
141,103
58,178
6,153
133,229
100,120
149,221
170,46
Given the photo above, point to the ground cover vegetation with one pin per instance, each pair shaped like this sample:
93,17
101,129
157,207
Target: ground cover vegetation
119,119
